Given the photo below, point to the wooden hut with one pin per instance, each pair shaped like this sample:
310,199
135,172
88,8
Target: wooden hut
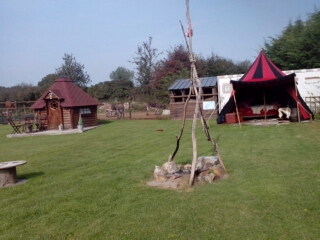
63,103
179,91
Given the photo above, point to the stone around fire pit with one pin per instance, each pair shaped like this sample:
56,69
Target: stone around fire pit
170,175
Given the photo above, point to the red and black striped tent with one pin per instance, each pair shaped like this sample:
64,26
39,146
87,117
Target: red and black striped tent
265,83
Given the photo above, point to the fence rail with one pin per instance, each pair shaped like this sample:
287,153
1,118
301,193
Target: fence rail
16,110
313,103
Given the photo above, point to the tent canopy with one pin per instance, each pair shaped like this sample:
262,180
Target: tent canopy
264,83
262,70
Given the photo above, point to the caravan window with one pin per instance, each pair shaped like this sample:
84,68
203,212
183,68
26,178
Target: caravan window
226,88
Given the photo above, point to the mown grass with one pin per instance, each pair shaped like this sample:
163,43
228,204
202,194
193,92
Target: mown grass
92,185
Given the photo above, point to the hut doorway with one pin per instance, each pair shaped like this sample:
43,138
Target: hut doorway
54,113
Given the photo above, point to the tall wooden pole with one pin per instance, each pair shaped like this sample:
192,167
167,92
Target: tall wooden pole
196,87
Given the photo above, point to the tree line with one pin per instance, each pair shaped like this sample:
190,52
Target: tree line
296,47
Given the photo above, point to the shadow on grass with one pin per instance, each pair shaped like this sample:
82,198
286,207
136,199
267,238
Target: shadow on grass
30,175
102,121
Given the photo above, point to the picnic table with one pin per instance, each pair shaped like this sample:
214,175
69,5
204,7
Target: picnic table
8,172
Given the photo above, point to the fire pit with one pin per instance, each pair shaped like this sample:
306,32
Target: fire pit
171,175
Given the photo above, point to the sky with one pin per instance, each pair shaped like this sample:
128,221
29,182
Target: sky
104,34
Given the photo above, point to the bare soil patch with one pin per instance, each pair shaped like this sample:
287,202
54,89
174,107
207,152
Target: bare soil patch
135,116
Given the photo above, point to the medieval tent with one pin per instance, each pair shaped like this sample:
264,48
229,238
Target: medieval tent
261,91
63,103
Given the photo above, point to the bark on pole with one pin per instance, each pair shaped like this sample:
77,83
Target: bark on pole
194,124
171,157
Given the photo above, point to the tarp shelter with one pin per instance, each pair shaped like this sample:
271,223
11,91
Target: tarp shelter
63,103
262,90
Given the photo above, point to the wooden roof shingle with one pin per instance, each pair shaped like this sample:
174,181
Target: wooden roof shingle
69,94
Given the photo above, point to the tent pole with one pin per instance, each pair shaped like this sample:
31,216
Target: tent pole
235,102
264,105
298,111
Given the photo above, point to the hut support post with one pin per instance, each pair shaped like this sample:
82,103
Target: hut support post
264,105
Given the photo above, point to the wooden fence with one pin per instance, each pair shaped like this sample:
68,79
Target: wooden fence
16,110
313,103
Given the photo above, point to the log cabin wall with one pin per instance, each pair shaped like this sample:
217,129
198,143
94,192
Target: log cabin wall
66,116
70,116
42,112
176,110
88,119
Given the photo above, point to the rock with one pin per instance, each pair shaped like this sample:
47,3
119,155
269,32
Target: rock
160,174
200,163
212,176
206,162
186,171
159,170
202,174
161,178
171,167
187,167
214,160
218,170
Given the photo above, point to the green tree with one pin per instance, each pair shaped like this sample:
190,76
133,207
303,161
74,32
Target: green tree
98,91
46,82
311,41
115,90
298,45
120,89
122,73
161,93
174,66
73,70
215,65
19,92
145,61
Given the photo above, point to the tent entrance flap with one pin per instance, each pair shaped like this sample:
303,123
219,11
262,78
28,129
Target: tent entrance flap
302,109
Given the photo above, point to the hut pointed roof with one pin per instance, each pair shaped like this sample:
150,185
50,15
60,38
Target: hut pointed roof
69,94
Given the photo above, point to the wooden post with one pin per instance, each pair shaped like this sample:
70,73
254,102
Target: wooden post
130,101
235,102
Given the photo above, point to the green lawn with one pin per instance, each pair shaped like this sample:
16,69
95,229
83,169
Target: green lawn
92,185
